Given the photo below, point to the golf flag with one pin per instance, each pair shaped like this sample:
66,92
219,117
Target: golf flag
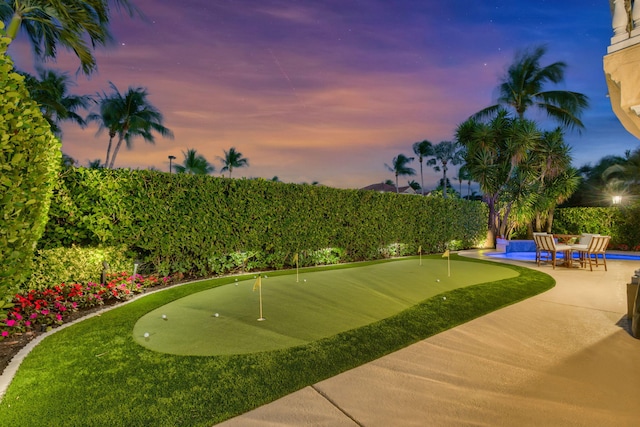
258,283
295,259
448,257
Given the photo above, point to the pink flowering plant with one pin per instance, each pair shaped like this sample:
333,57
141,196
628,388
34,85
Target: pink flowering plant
36,309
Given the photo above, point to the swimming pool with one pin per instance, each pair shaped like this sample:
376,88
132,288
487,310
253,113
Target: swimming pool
531,256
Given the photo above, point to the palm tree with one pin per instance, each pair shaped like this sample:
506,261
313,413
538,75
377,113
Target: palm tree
128,116
194,164
414,185
50,90
445,153
69,23
522,87
422,149
399,167
464,175
232,159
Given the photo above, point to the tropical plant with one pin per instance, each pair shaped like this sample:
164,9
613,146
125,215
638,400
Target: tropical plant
523,87
399,167
445,153
29,161
422,149
128,116
232,159
493,152
50,90
69,23
194,164
94,164
464,175
414,185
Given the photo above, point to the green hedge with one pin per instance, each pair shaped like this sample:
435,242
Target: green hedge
76,265
202,225
29,161
622,223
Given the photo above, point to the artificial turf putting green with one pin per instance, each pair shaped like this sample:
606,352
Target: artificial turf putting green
300,310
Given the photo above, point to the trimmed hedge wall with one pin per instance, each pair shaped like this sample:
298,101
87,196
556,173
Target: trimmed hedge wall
29,162
202,225
622,223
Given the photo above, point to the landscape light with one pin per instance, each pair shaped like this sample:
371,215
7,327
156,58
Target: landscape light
170,159
617,200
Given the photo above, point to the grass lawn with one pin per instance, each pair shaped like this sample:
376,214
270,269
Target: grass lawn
96,373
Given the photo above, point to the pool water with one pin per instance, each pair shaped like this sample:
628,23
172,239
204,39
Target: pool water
531,256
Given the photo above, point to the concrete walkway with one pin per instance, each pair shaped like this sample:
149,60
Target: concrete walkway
562,358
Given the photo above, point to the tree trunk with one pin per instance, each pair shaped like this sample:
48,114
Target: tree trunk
421,178
550,219
115,151
106,162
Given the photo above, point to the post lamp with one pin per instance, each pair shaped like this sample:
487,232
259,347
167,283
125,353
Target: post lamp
170,159
617,200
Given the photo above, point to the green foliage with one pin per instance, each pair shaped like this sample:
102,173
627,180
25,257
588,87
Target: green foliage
29,159
604,221
203,225
76,265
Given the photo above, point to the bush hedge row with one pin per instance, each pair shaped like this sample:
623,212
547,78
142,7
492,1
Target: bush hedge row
203,225
622,223
29,161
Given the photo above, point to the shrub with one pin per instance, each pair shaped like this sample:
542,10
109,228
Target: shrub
29,160
75,265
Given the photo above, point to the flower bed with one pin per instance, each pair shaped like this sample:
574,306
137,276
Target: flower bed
38,310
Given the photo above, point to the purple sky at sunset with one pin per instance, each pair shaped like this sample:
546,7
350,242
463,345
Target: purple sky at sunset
330,91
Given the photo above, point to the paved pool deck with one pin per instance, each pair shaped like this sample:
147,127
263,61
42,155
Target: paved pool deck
562,358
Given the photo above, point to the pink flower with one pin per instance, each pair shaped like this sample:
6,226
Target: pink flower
45,312
27,323
58,317
18,316
33,315
11,322
5,334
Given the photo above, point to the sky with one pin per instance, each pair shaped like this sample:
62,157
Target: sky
330,91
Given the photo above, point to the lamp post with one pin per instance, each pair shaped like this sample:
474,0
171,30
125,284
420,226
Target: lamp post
170,159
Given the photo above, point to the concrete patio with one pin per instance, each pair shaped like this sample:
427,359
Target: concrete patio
562,358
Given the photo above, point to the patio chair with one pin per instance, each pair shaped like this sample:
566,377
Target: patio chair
597,246
548,244
539,251
583,244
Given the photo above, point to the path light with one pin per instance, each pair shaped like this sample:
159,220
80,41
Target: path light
170,159
617,200
136,263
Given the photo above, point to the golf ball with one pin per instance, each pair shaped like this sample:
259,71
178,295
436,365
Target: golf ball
216,315
146,334
265,276
164,316
305,280
437,280
444,297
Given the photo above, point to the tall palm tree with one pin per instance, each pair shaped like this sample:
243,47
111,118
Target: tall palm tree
399,167
422,149
445,153
523,87
128,116
72,24
194,164
465,175
232,159
50,90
